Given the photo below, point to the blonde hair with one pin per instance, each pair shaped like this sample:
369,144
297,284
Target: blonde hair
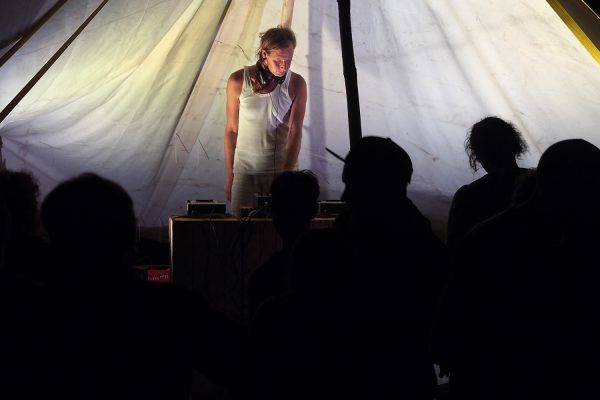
274,39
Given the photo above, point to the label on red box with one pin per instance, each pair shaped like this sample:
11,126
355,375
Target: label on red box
159,275
156,273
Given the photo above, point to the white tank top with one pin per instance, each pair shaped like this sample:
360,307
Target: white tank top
262,128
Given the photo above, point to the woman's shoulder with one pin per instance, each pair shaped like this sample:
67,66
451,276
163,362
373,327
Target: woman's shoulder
296,85
235,83
237,76
296,79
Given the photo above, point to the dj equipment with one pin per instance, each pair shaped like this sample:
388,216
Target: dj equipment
262,203
206,208
331,208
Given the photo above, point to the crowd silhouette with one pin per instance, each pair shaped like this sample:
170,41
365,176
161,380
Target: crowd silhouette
519,317
507,308
92,330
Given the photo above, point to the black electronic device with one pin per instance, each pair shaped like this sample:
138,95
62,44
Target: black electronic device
262,204
206,208
331,208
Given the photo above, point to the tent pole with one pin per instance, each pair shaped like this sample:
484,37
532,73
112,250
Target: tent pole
287,13
4,113
350,77
25,38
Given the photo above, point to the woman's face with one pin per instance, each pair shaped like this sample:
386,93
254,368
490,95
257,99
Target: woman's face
278,61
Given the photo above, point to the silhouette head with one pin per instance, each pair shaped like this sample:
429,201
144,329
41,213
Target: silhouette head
375,168
568,177
294,201
91,220
494,143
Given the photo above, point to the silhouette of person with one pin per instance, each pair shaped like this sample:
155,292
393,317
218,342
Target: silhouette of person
294,203
4,228
397,271
519,319
495,144
27,252
24,270
118,336
303,341
524,187
266,103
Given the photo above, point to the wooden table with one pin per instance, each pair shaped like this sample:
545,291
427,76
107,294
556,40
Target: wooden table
217,255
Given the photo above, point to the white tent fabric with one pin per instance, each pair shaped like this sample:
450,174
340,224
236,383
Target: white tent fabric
139,96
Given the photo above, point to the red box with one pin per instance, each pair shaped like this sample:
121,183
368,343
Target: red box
156,273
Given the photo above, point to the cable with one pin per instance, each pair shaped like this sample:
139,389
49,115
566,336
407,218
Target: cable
335,155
